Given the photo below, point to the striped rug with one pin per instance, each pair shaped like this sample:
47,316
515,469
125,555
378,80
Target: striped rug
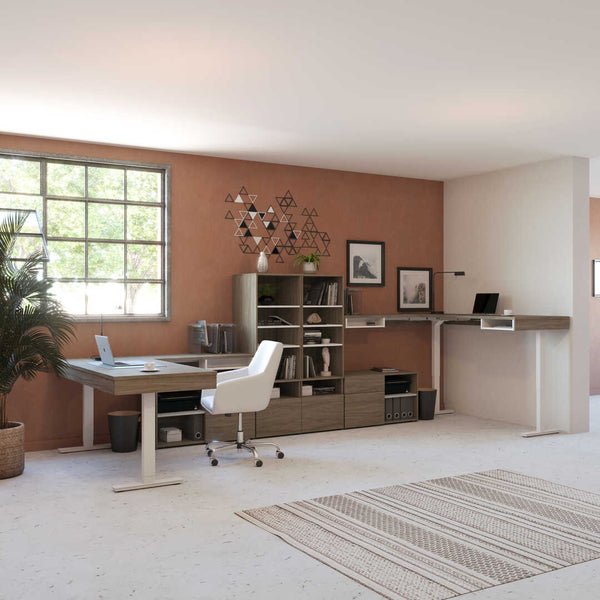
444,537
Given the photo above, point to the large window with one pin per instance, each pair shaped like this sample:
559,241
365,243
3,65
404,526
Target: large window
106,227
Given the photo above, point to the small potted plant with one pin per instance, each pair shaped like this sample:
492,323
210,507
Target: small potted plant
310,262
325,337
266,293
34,329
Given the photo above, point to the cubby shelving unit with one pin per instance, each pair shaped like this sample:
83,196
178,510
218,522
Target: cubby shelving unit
284,319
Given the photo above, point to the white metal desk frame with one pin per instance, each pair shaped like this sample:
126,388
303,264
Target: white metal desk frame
148,443
436,353
214,361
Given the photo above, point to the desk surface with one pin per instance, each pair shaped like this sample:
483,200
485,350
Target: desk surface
517,322
171,377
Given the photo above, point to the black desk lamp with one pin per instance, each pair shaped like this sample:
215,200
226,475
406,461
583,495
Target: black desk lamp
455,273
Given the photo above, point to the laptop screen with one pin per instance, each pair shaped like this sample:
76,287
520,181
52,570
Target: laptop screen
485,304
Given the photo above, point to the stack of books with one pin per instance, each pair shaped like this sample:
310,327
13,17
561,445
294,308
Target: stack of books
385,369
311,337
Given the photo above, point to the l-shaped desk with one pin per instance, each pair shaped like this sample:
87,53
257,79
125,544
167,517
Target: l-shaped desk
170,377
486,323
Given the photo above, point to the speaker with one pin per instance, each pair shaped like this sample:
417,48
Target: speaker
193,427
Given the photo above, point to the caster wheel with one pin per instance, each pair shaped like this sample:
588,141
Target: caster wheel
214,462
280,454
258,463
209,452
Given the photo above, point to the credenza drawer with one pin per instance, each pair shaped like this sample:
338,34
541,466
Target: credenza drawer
362,410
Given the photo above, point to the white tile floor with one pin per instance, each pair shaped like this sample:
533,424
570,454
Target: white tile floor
64,534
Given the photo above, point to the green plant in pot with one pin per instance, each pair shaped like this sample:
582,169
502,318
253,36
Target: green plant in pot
325,337
310,262
33,331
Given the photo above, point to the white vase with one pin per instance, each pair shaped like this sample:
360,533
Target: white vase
262,266
309,267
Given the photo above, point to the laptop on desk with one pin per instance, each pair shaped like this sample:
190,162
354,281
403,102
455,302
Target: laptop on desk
107,358
485,304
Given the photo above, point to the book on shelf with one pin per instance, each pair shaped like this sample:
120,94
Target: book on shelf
309,366
321,293
385,369
312,294
287,367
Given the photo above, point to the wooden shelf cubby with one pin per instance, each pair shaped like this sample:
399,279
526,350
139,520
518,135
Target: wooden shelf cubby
292,300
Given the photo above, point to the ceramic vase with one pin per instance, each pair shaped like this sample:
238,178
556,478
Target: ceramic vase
262,266
309,267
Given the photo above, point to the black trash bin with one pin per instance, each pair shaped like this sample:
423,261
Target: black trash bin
124,428
427,403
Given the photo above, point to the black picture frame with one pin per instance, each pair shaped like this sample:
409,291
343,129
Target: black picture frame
414,288
596,278
365,263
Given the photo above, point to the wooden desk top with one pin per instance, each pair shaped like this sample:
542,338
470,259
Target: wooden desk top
171,377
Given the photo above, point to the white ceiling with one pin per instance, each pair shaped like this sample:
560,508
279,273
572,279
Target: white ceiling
435,89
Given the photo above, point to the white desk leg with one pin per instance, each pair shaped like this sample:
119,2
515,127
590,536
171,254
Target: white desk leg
148,466
538,391
87,425
436,363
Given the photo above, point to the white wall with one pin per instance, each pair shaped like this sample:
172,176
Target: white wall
523,232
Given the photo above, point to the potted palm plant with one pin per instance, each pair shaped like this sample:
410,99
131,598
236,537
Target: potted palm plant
33,330
310,262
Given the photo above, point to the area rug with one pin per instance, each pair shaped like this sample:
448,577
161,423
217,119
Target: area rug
444,537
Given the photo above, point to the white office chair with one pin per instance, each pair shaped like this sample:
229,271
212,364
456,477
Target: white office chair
245,390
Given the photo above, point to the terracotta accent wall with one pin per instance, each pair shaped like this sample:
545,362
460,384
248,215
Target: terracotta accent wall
594,302
407,214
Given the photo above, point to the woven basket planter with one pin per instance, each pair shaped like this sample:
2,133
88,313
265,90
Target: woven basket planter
12,450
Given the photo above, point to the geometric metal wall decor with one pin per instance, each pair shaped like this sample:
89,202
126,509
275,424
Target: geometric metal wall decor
275,229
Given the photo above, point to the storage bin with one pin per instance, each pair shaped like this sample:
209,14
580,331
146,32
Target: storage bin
427,398
124,428
227,337
213,346
196,342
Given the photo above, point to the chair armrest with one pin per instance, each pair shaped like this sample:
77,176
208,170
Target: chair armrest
229,375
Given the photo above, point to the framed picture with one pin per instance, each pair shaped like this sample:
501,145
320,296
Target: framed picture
365,262
415,289
596,278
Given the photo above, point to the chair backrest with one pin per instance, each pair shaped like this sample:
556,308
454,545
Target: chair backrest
266,359
251,393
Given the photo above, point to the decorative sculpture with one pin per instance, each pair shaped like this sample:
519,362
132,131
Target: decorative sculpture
326,359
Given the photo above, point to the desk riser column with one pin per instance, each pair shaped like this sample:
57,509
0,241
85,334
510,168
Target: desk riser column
148,437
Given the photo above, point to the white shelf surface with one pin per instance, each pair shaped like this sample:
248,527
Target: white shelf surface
320,345
277,326
323,325
278,306
407,395
179,414
319,306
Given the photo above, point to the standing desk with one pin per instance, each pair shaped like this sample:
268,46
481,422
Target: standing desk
170,377
485,322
